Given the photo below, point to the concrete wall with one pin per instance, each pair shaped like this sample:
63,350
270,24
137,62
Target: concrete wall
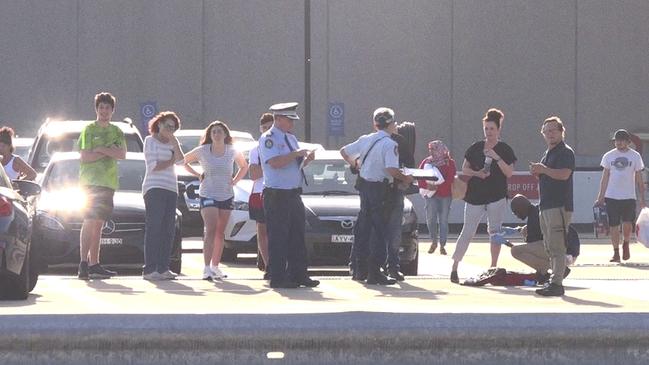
439,63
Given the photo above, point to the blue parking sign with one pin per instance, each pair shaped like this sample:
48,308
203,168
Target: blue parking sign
336,120
147,111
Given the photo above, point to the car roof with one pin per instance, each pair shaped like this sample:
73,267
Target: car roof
57,127
199,132
22,141
328,155
60,156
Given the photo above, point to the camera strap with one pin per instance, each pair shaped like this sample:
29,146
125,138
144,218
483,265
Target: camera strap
370,149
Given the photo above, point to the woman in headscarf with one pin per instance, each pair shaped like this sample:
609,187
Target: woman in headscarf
438,197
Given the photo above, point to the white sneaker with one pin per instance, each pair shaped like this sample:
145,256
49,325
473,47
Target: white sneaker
153,276
208,274
168,275
217,273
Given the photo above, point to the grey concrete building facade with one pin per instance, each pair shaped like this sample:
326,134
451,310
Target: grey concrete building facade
439,63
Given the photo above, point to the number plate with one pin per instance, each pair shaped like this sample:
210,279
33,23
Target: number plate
342,238
110,241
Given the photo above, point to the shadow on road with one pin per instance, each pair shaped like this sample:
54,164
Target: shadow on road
404,289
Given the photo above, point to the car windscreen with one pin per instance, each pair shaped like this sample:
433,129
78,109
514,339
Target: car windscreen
48,145
329,177
64,174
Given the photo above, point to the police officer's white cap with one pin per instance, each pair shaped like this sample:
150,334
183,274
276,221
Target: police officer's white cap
285,109
383,116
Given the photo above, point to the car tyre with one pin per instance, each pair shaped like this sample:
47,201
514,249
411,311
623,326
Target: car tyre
228,255
17,287
34,271
410,268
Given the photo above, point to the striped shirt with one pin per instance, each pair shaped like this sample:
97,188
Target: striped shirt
217,171
154,152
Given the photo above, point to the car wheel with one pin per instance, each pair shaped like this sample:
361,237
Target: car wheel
228,255
17,286
411,267
33,272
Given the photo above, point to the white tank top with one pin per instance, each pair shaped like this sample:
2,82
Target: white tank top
9,169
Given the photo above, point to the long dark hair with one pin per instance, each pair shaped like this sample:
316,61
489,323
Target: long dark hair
207,136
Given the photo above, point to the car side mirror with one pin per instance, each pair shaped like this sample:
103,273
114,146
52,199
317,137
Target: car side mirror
26,188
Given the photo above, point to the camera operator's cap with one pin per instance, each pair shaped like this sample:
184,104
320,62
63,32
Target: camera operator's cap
383,116
288,110
622,134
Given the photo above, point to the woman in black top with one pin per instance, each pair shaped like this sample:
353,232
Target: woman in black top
488,164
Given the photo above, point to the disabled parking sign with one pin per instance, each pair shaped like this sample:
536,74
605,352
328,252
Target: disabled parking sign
147,111
336,120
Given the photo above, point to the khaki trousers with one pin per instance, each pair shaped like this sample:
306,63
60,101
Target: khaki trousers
554,225
532,254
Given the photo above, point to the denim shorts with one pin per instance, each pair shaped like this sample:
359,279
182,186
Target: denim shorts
213,203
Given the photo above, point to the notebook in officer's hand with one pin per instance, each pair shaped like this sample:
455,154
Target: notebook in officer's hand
431,173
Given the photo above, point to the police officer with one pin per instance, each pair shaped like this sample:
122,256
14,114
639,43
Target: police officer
281,161
377,156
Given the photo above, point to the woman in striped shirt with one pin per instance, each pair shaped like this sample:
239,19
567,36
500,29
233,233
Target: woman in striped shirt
160,189
216,156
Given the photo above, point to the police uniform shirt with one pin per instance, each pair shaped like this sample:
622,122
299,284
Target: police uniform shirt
272,144
384,154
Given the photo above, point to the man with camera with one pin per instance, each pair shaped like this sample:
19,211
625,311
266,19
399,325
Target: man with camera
376,156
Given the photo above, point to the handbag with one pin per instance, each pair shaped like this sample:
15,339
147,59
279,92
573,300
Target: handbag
458,188
256,201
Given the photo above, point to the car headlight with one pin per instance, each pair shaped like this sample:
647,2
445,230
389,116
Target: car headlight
239,205
409,217
47,221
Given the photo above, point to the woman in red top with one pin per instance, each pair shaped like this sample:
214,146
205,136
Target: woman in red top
438,197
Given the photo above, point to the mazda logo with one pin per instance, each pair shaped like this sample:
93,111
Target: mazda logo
347,223
108,227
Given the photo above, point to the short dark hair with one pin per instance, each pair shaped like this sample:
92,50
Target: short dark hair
6,137
154,123
105,97
494,115
207,136
265,118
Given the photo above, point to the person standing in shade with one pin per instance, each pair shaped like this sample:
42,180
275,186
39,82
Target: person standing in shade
555,189
438,198
621,177
14,166
255,204
376,156
488,164
101,144
160,189
216,156
281,161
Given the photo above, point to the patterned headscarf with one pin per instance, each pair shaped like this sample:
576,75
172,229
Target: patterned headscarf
439,153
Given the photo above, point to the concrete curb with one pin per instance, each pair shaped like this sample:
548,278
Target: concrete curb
358,338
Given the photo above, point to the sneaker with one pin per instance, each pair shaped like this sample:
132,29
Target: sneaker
168,275
83,271
308,282
616,256
626,254
152,276
207,273
442,251
432,248
217,273
97,271
454,278
551,290
396,274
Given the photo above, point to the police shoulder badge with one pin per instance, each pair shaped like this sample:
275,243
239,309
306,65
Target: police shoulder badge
268,143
